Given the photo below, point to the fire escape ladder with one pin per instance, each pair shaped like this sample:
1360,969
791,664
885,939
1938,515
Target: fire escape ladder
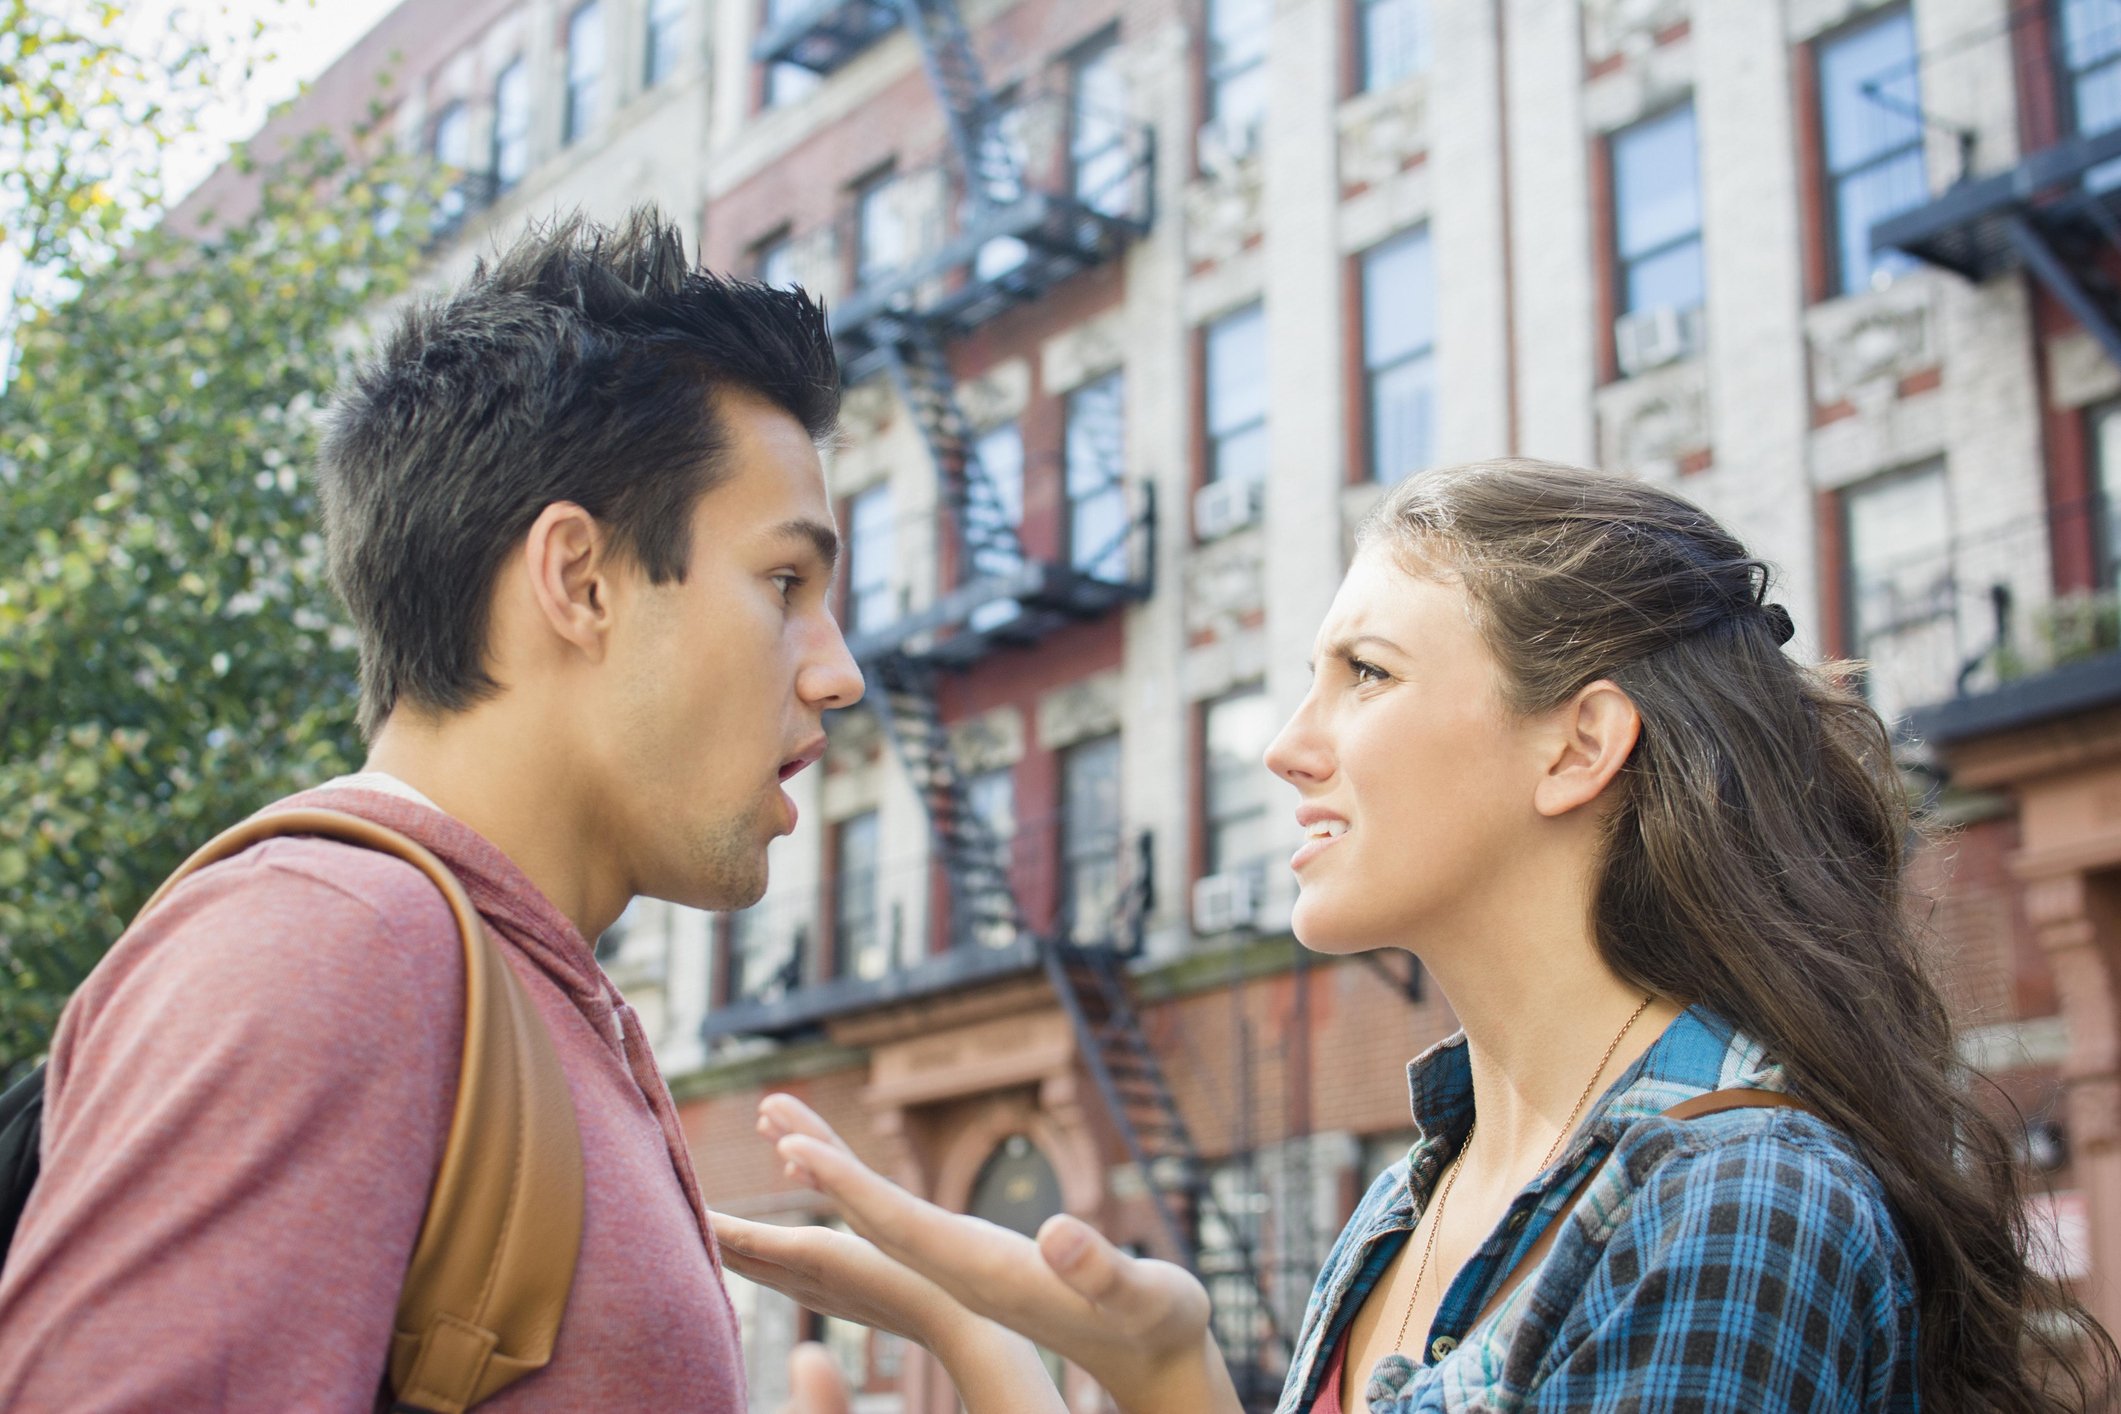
992,174
920,367
975,864
1093,990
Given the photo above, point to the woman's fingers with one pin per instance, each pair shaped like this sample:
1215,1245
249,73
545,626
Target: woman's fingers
1145,1295
781,1114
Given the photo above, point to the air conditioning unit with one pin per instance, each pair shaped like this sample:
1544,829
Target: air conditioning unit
1652,338
1224,144
1222,902
1223,506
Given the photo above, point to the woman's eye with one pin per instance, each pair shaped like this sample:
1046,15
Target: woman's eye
1366,672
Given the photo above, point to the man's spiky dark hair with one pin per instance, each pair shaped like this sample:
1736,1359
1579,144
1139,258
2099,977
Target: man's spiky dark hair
581,365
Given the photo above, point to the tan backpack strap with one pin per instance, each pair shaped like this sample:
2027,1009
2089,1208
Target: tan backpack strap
1708,1103
495,1259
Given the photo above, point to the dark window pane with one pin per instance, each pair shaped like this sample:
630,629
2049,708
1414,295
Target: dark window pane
511,125
1656,183
1095,452
1090,838
858,938
585,69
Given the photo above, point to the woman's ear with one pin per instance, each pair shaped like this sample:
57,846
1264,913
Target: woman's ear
1593,735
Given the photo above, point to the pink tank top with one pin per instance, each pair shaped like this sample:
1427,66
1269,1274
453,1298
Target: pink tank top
1328,1400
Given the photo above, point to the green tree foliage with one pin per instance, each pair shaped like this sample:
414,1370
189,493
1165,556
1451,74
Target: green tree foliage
170,658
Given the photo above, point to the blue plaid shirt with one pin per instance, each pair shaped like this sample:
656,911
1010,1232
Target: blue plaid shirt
1744,1260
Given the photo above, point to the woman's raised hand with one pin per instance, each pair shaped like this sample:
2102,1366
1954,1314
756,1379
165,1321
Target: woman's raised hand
1139,1326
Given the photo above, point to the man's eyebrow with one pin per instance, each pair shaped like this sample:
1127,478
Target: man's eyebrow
822,537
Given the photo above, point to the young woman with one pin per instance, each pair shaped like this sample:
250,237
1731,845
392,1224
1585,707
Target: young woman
1554,747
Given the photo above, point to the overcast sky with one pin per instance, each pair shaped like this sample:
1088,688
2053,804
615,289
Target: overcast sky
304,37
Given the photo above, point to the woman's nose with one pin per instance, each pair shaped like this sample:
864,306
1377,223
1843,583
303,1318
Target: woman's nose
1298,753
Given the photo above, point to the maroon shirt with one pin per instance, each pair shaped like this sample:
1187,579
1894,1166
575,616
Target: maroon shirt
245,1108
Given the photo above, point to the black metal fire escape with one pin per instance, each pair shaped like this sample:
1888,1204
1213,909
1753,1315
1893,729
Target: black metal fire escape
901,326
2056,215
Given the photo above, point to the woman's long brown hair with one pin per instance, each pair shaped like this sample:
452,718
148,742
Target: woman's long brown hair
1755,866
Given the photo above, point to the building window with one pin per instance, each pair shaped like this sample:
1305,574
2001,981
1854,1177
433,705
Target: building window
1901,589
1657,213
452,154
1395,41
995,515
1007,145
1237,70
2091,52
859,945
1090,840
774,260
511,125
2106,454
585,70
1236,352
1871,130
665,46
1399,355
872,561
991,796
880,245
1238,792
764,961
786,83
1100,171
1094,450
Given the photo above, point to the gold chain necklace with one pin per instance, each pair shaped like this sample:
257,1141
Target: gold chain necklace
1428,1249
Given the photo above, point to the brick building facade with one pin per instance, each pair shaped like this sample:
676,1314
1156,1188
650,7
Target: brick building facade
1139,324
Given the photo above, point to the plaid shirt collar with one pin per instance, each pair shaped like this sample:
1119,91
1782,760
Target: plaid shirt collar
1697,1052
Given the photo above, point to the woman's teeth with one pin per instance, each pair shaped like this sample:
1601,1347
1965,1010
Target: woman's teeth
1328,830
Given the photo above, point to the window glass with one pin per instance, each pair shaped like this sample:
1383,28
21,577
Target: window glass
511,125
2106,447
1657,212
776,263
1237,63
452,153
991,796
1872,136
881,246
786,83
1901,589
1095,453
1007,141
1101,170
765,954
1237,396
1399,347
666,40
1395,41
872,561
1090,839
1240,791
585,69
857,933
999,452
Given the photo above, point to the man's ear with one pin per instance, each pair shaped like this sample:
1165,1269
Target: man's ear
567,555
1593,735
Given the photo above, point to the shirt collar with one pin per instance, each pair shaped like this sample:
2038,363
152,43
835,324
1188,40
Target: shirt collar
1698,1052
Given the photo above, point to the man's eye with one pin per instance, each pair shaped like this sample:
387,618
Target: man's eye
788,583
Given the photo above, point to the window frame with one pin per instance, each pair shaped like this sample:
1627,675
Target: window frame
1080,505
862,559
578,113
1214,441
846,963
660,56
503,138
1366,80
1622,263
1374,371
1832,181
870,188
1212,823
1077,857
1217,78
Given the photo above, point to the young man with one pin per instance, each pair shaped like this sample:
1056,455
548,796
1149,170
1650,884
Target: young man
577,514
